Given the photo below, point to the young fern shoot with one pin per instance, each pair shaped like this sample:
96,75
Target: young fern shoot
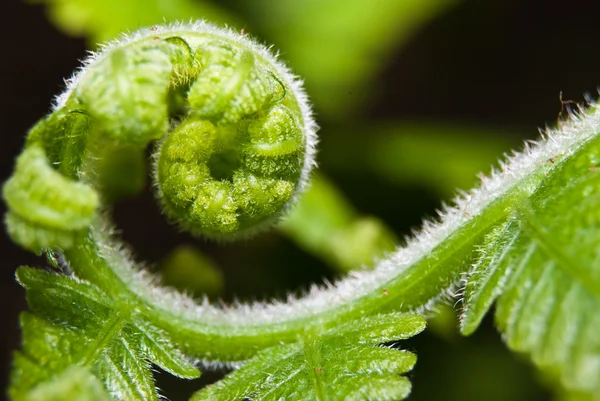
235,146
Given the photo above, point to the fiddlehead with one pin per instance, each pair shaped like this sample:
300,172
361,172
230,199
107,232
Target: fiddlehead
242,144
235,146
223,179
238,135
233,156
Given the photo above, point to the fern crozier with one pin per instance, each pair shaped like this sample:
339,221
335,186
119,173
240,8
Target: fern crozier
234,146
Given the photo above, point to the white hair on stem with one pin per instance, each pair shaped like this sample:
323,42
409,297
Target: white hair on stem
319,299
328,296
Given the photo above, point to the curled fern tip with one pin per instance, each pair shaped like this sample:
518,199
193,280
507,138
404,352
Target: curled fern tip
236,139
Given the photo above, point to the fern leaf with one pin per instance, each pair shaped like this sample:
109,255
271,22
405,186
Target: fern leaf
344,363
75,384
543,268
75,327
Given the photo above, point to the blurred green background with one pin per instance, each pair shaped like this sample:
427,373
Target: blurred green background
414,99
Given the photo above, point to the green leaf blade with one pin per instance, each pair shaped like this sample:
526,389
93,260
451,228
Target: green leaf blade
126,373
75,384
385,388
75,325
161,352
488,275
548,305
63,299
311,368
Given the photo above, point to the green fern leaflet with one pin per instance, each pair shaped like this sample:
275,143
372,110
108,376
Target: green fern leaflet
74,325
345,363
543,266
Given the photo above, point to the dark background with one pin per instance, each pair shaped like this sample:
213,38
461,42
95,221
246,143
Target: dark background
498,64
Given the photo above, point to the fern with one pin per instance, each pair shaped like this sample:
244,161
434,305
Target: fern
76,324
235,146
310,368
543,265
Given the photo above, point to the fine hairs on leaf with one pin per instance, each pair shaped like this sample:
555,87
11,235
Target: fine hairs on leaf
234,144
76,325
310,368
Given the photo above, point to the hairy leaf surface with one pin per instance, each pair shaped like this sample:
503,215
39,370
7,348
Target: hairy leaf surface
543,267
241,138
76,328
345,363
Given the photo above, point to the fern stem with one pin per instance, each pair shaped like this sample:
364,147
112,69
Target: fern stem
236,146
206,331
412,279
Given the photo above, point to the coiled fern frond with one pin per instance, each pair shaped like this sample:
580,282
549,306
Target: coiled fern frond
234,146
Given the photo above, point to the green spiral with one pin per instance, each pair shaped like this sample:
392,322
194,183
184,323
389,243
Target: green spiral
235,159
235,137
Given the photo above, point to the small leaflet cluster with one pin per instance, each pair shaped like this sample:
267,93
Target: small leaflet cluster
76,337
347,362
